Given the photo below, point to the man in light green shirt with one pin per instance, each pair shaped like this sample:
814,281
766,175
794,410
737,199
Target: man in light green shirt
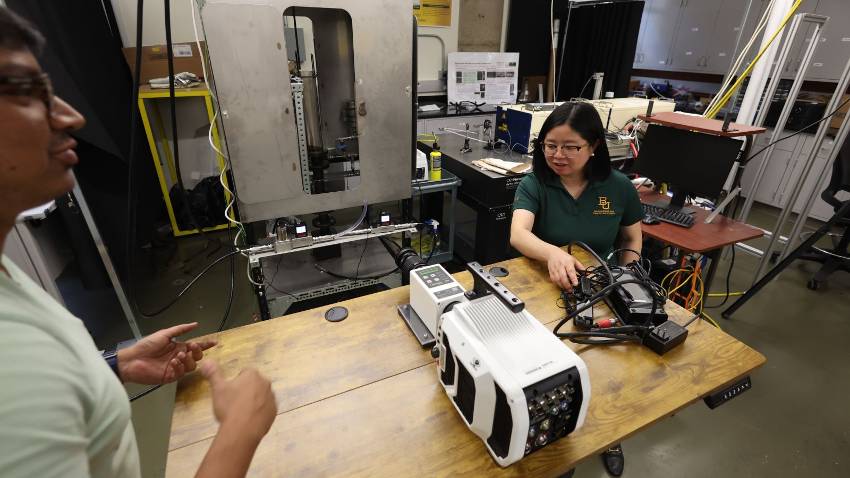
63,410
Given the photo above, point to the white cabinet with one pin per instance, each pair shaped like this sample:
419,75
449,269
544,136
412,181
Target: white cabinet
820,209
700,36
786,165
661,23
640,50
777,173
694,34
834,50
720,45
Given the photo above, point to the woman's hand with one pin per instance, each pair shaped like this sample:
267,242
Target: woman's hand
563,269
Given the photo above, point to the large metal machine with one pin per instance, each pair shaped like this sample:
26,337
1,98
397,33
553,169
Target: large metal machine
313,123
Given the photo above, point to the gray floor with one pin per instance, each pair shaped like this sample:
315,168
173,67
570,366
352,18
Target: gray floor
794,422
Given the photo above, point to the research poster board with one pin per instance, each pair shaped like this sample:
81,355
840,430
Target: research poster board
433,13
483,77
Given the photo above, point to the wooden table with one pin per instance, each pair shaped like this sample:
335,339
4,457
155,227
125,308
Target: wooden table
702,238
361,397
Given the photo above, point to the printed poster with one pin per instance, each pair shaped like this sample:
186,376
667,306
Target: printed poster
483,77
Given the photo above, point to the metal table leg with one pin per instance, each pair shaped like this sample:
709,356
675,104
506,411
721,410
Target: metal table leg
260,290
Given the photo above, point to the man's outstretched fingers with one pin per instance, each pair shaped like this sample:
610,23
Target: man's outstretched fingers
181,329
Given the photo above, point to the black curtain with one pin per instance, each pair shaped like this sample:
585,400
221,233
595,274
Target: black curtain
599,37
528,35
84,59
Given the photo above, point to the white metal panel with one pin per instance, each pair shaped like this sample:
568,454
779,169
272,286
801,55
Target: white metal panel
246,44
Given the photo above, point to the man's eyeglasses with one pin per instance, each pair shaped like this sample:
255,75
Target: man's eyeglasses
37,86
568,149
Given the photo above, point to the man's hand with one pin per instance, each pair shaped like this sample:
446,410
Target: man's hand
244,405
562,269
159,358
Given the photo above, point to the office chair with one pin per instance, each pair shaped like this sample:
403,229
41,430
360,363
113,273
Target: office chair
838,258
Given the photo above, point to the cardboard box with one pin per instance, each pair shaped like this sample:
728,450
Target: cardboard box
155,60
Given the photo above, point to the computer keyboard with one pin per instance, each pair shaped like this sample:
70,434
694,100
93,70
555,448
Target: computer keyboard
671,216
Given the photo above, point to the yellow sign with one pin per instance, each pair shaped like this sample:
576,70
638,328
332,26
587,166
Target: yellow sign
433,13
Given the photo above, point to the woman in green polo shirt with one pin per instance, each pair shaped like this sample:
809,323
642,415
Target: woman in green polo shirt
574,195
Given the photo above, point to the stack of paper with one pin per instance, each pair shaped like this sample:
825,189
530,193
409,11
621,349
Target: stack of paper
501,166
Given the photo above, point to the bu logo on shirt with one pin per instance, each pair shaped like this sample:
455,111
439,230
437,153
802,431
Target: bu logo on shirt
603,207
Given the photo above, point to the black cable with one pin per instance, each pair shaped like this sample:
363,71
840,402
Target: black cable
801,130
271,283
144,392
585,85
728,287
220,325
433,246
601,295
340,276
297,46
641,278
359,261
641,259
375,276
563,47
728,272
232,285
188,286
691,320
593,253
172,100
172,104
613,339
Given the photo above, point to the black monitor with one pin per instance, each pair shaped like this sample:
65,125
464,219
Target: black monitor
691,163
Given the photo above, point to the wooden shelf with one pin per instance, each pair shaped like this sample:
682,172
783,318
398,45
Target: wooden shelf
700,124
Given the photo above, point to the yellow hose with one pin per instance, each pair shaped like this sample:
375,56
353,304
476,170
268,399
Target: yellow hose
726,96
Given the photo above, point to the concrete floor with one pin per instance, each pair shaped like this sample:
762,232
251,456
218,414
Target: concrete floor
794,422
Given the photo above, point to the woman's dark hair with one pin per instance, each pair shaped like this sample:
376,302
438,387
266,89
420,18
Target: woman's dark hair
583,119
18,34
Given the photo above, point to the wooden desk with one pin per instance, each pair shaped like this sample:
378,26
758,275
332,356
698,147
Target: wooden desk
361,398
702,238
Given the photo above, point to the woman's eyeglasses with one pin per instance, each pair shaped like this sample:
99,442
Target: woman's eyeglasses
568,149
36,86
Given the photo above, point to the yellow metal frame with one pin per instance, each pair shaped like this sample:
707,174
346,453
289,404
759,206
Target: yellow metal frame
146,93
